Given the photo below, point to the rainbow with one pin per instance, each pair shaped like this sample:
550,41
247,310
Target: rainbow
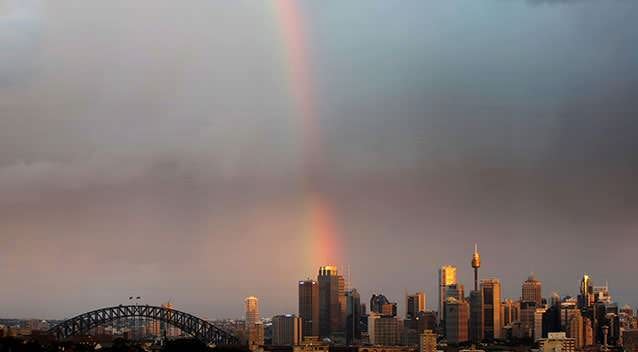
320,228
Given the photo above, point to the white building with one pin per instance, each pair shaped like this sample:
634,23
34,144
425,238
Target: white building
557,342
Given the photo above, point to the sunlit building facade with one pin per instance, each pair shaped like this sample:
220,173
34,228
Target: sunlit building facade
251,305
414,304
447,276
332,302
286,330
491,294
531,291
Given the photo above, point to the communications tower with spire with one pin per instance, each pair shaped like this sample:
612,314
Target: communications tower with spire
476,264
476,302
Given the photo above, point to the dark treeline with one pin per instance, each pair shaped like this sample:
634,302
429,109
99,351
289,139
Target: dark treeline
11,344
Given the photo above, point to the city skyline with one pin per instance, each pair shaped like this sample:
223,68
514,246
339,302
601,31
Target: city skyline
251,303
577,322
205,152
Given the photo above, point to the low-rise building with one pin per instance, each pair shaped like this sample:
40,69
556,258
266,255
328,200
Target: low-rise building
557,342
427,341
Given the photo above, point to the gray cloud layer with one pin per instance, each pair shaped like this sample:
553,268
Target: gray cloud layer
153,148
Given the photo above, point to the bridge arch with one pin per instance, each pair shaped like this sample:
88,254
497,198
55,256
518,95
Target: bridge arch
198,328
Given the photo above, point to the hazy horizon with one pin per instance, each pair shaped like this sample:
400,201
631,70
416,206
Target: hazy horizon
205,152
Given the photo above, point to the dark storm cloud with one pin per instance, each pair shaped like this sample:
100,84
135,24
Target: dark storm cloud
154,147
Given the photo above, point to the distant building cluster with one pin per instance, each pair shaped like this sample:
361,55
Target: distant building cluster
330,314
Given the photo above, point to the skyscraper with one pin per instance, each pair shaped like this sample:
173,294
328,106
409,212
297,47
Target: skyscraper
531,291
586,296
383,330
331,302
309,307
527,319
254,327
414,304
455,290
353,316
447,276
576,330
539,312
457,313
491,292
286,330
511,311
252,310
588,332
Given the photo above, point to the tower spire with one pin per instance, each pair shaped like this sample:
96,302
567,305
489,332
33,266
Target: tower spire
476,264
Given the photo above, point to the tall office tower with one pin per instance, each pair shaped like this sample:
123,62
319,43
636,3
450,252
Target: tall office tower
383,330
588,332
527,319
511,311
447,276
568,309
538,322
586,296
353,316
551,319
455,290
286,330
606,318
531,291
554,299
331,301
252,310
254,327
476,317
414,304
457,313
576,330
491,292
309,307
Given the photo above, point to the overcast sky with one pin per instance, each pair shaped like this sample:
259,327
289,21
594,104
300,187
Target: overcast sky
152,148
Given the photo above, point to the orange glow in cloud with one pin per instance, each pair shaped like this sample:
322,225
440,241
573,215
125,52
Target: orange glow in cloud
320,224
324,247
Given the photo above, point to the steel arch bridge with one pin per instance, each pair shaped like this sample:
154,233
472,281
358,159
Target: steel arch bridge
198,328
